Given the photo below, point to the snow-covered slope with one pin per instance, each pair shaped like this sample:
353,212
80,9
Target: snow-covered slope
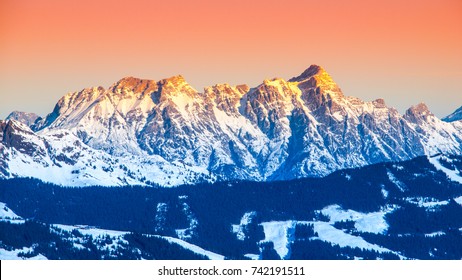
6,213
59,156
378,211
454,174
455,116
166,132
438,136
15,254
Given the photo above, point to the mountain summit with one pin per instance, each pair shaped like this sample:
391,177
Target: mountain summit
23,117
141,131
315,77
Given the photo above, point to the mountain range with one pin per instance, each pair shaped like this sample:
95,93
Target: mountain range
139,132
289,169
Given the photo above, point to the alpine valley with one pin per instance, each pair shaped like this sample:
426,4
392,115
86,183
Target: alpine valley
289,169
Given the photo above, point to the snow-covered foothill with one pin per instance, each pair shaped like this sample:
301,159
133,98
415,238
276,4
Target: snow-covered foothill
13,255
452,174
373,222
280,233
7,214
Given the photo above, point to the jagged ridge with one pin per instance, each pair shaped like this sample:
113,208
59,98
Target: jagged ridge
169,133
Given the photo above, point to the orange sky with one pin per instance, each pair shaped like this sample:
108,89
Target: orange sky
402,51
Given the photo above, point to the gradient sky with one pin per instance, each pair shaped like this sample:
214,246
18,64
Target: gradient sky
403,51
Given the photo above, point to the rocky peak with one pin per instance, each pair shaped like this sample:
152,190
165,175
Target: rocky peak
243,88
313,70
175,86
14,134
316,76
175,82
129,82
13,125
317,87
418,113
379,103
130,86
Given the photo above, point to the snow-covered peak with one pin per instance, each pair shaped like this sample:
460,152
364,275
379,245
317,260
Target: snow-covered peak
316,76
318,88
243,88
455,116
418,113
131,82
136,88
130,86
379,103
14,125
438,136
176,86
23,117
175,81
313,70
71,107
77,99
